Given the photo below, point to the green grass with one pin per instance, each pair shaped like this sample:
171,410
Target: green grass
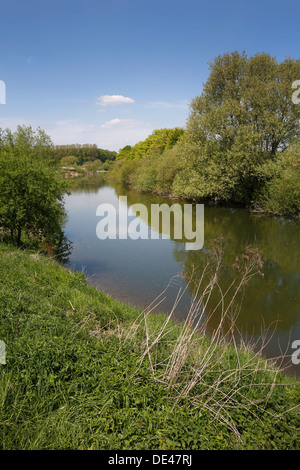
74,378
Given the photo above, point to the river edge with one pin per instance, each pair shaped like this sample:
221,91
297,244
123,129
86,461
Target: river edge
253,208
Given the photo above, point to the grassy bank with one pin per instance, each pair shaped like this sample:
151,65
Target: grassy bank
84,371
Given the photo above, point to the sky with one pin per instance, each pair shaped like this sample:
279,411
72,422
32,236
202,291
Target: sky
110,72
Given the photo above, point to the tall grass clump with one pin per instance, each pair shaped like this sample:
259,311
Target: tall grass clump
215,371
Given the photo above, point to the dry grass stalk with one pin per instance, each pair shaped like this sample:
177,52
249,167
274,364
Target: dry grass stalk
198,369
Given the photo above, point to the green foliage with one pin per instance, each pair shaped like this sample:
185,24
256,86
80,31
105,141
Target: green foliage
168,166
146,174
150,174
69,160
123,171
151,165
106,165
280,191
242,119
155,144
157,173
124,152
32,190
83,153
93,166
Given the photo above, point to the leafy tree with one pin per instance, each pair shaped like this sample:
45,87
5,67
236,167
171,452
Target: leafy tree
237,141
93,166
155,144
68,161
124,152
244,116
32,190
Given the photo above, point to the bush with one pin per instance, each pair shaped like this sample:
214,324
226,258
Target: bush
280,192
32,190
68,161
169,165
123,171
94,166
146,175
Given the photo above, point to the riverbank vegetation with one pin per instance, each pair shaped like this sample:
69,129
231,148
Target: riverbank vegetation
32,189
240,144
82,153
84,371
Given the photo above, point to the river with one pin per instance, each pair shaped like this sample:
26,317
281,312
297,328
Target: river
137,271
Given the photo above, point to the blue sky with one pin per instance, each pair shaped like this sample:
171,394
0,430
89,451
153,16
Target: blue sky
111,71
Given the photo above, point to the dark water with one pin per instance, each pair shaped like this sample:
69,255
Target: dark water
137,271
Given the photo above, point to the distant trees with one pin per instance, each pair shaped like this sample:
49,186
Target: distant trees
83,153
32,190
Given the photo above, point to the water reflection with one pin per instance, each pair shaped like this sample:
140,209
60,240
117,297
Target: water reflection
137,270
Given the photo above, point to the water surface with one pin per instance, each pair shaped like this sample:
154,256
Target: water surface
137,271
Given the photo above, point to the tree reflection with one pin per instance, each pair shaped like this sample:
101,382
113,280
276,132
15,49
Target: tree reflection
63,248
273,298
89,184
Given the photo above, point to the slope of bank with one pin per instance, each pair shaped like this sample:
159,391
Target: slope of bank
80,374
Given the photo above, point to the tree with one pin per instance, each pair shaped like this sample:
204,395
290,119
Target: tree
32,190
69,160
243,118
83,153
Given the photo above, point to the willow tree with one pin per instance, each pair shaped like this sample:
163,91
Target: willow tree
244,117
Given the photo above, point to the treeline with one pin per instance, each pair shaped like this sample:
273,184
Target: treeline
156,143
82,153
240,143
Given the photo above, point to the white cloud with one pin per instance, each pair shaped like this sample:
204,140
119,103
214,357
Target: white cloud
110,124
112,100
125,123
